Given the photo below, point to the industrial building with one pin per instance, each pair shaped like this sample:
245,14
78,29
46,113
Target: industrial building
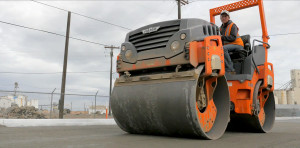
5,102
20,100
290,93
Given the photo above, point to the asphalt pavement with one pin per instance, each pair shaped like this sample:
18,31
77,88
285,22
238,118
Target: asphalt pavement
285,134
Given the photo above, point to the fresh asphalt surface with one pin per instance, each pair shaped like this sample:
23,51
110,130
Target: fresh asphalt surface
285,134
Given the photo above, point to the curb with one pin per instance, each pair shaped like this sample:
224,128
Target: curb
55,122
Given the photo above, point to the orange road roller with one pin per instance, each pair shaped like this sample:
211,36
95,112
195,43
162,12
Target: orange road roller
173,81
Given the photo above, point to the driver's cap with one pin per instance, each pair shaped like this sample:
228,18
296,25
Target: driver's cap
225,12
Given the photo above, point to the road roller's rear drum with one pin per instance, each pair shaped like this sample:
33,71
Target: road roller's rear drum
171,107
262,120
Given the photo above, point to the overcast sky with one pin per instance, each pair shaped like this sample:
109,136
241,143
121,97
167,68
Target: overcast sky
29,51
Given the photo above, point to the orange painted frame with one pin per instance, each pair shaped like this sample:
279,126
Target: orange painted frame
243,105
243,5
202,52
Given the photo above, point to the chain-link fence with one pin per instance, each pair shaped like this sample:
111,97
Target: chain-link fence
41,105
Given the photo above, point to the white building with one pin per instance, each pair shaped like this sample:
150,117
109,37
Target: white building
33,102
5,102
99,108
20,100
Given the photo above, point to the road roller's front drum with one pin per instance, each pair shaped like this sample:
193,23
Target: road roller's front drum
169,107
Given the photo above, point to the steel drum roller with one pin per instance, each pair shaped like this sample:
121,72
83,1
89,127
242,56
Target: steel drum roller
168,107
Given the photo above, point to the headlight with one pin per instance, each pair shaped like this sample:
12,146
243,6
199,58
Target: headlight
175,46
123,48
183,36
128,54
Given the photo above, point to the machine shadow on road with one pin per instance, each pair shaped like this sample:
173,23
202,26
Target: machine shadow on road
228,134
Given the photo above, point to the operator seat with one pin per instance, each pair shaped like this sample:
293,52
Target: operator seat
241,54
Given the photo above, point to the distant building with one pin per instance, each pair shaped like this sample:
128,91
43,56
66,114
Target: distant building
5,102
99,108
280,96
295,78
292,94
20,100
33,102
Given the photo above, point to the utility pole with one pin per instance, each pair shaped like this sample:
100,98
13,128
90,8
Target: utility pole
51,107
95,103
15,91
16,87
84,107
110,84
92,107
179,3
63,83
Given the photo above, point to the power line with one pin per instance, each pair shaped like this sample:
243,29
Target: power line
47,93
53,33
291,33
32,28
92,42
171,10
82,15
83,40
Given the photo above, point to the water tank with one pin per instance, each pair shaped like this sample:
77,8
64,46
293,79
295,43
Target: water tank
276,100
290,95
282,97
